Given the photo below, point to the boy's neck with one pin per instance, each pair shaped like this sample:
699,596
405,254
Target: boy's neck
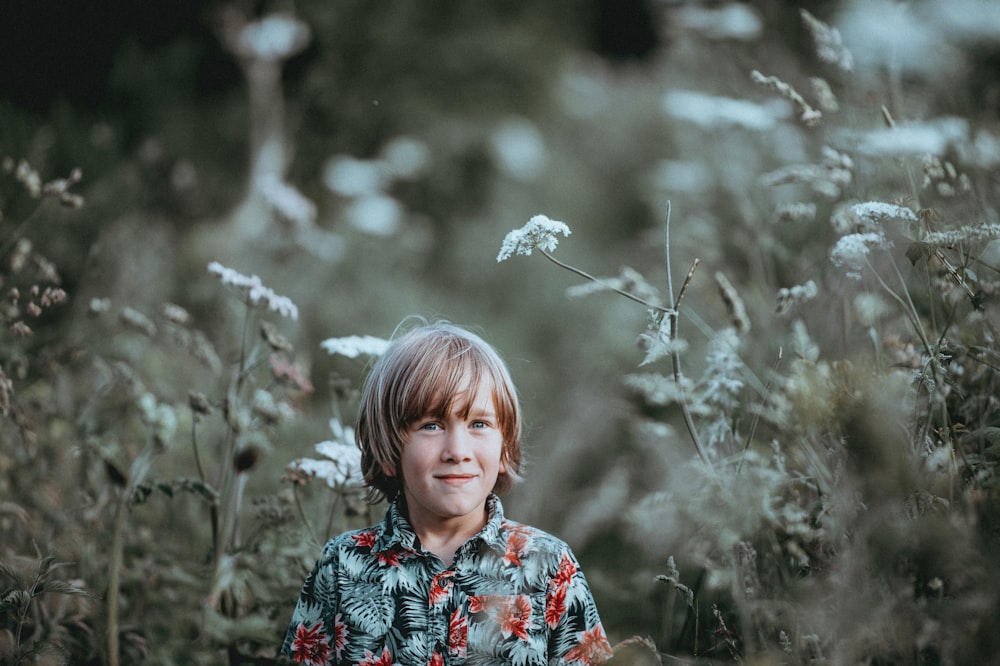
444,538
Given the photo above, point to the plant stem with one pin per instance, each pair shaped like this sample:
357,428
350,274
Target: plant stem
114,574
588,276
675,357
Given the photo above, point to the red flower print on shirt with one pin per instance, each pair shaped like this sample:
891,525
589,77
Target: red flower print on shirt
555,605
458,634
593,647
516,546
437,659
364,539
387,558
485,602
441,586
385,659
567,569
339,635
516,617
310,645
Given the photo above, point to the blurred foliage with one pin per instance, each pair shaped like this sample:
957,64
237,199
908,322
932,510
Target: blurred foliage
421,133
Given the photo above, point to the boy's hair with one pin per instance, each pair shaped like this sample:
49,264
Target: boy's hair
422,372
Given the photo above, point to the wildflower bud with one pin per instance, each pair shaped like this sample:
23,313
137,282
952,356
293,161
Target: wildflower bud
176,314
14,294
70,200
199,403
734,304
138,321
52,296
33,309
278,342
20,329
246,458
98,306
115,475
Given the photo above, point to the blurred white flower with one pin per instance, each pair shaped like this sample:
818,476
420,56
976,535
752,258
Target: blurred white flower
355,345
711,111
540,232
274,37
869,308
519,150
351,177
895,35
732,20
375,214
851,251
932,137
406,157
255,290
288,201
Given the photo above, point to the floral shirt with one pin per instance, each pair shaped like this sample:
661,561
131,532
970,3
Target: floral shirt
513,595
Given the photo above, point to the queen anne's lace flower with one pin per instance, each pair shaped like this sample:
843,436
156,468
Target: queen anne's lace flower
540,232
851,251
355,345
255,290
340,464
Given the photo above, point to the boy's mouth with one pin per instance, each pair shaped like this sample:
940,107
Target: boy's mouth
456,479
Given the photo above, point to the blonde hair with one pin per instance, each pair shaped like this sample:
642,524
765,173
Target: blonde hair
423,372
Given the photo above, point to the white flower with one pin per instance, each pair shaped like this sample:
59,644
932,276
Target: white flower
341,462
540,232
288,201
852,251
355,345
273,37
712,111
879,211
255,290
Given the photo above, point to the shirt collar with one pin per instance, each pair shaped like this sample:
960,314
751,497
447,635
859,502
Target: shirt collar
396,531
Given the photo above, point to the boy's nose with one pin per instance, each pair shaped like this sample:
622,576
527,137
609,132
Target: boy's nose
457,446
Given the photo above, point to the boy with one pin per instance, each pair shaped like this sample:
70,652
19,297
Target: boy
445,578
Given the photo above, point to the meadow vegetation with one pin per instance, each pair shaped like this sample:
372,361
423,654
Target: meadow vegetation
771,435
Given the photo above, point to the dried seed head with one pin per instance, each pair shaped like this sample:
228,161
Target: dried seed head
246,458
199,403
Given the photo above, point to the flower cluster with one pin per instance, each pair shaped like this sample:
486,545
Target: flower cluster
340,464
540,232
355,345
255,290
851,251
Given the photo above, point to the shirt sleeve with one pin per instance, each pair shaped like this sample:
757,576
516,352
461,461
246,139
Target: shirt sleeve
315,634
577,635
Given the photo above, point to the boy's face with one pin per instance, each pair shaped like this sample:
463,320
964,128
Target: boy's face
450,465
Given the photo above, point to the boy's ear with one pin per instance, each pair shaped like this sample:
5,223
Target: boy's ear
388,471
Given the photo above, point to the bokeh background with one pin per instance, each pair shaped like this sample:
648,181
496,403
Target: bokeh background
406,139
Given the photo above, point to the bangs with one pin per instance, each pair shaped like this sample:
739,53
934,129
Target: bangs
443,379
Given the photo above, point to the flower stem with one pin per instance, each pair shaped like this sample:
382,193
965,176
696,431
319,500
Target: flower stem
675,357
588,276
